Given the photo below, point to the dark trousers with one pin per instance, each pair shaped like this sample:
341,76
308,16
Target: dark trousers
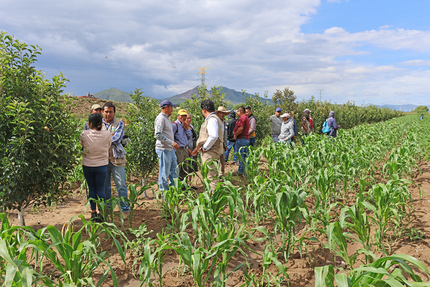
95,177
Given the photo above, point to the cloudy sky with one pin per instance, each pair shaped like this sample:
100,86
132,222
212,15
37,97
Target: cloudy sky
362,50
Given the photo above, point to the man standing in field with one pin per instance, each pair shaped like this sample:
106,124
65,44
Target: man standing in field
165,147
252,125
221,113
96,108
306,125
231,142
275,125
210,141
181,134
241,135
117,160
295,125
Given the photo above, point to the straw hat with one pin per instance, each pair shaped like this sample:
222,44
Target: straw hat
222,110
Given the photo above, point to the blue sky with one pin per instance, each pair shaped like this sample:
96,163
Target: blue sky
366,51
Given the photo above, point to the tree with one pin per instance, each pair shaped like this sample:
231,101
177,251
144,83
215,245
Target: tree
421,109
285,99
141,155
193,105
37,150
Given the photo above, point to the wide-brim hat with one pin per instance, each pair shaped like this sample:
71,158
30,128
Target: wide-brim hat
286,115
222,110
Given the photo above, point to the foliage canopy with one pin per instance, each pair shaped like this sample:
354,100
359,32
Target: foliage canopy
36,135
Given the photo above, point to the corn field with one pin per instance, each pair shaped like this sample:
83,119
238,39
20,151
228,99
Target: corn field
328,193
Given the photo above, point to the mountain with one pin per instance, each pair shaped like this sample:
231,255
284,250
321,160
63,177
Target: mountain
403,108
113,94
233,96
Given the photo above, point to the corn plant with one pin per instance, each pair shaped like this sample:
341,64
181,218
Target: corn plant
154,253
378,273
74,257
197,259
388,202
287,206
18,257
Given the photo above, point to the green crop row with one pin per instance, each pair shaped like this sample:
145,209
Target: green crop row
327,192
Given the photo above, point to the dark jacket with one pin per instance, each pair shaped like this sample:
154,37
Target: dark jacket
231,123
332,124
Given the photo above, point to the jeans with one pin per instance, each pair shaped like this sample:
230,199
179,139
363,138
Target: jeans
252,141
168,168
242,146
230,145
95,177
118,174
275,139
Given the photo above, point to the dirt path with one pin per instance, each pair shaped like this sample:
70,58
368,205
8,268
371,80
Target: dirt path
301,270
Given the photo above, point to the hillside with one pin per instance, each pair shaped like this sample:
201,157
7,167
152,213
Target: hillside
115,95
233,96
80,107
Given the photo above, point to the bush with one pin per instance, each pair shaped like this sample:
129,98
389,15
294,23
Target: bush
36,133
141,155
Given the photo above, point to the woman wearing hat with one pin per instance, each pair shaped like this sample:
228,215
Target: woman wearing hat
287,129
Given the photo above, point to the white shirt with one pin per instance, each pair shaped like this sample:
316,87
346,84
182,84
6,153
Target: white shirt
212,128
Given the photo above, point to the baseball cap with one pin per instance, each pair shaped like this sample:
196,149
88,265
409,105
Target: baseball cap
95,107
182,112
165,103
278,109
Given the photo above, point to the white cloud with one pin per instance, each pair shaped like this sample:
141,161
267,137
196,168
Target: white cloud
416,63
248,44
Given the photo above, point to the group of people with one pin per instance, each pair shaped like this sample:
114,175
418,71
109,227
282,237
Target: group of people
283,127
104,156
178,145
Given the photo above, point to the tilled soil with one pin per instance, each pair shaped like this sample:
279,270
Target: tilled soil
300,269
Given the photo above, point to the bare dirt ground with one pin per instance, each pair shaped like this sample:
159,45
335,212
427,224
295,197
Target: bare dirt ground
301,270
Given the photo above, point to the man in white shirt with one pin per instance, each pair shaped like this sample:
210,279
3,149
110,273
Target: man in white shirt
210,141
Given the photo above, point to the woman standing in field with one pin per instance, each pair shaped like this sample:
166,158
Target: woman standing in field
287,129
332,124
96,144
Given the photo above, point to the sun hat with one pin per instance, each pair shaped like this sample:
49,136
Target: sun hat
307,110
222,110
285,115
182,112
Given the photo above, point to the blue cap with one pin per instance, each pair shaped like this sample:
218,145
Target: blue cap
278,109
165,103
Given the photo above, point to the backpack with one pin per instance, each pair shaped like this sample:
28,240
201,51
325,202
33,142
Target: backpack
325,128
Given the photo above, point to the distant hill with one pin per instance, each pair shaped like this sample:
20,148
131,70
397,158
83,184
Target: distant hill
113,94
233,96
403,108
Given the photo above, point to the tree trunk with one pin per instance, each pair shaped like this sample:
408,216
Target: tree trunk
21,220
143,184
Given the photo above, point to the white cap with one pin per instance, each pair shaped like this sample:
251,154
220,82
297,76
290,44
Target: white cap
285,115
